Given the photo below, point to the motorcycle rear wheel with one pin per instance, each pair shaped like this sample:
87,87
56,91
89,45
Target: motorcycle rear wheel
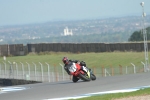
74,79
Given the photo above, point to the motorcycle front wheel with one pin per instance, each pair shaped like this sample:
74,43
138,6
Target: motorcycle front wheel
93,77
84,77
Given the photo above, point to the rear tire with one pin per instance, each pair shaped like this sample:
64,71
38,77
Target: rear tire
74,79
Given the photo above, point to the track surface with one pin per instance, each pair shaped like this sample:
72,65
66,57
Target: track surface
42,91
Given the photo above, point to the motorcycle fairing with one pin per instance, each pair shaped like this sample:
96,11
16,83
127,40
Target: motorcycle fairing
86,70
75,69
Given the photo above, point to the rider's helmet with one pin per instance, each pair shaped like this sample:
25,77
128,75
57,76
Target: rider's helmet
65,60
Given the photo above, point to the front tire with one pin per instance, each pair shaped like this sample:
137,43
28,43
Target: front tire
74,79
84,77
93,77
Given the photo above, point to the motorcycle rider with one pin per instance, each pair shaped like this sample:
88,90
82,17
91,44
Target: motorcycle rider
68,63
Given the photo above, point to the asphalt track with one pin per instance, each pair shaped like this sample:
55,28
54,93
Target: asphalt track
43,91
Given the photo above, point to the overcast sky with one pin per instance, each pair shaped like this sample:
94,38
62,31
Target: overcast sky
14,12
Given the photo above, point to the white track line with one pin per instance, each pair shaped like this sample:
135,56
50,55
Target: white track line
7,89
100,93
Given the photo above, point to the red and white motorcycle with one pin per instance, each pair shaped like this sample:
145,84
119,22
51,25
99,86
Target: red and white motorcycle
81,72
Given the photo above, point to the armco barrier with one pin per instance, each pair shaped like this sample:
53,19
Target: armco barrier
10,82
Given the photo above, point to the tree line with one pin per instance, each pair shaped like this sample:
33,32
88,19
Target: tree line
138,35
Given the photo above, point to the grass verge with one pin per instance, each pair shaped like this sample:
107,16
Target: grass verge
105,59
140,92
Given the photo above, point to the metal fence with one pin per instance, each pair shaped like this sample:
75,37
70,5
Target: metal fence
33,71
44,72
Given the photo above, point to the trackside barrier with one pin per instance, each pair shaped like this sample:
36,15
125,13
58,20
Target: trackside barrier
62,71
35,71
133,67
144,66
48,71
106,72
120,69
44,72
20,49
22,70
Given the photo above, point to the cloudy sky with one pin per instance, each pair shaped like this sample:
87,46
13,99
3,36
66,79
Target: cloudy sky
16,12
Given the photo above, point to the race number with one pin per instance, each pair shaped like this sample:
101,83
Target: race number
72,68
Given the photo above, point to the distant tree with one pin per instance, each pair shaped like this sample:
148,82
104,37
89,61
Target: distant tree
138,35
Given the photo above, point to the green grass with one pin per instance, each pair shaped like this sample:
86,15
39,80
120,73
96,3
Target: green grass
118,95
106,59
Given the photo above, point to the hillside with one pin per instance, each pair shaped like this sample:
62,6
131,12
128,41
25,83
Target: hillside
104,30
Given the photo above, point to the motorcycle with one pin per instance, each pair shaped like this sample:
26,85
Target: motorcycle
81,72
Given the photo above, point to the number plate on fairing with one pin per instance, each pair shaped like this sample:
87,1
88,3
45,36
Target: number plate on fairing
72,68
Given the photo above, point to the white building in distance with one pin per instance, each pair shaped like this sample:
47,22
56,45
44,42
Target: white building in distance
67,31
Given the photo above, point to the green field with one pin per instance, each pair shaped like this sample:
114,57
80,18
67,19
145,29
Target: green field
92,59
